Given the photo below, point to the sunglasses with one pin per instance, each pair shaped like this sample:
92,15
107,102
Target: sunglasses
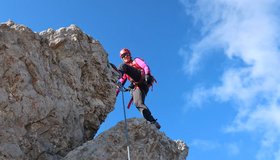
125,55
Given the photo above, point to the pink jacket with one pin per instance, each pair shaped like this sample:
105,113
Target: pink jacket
139,64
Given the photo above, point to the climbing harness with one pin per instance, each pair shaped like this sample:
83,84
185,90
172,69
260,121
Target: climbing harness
125,122
130,102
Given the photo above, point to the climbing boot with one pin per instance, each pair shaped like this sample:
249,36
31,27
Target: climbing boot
156,124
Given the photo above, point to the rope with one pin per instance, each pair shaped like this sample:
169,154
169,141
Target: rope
126,131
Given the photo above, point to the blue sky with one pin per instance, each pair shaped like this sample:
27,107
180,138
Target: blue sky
216,63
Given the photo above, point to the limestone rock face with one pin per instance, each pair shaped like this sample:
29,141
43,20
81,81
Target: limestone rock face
56,88
145,142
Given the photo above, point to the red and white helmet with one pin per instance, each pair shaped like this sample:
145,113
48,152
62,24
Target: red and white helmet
124,51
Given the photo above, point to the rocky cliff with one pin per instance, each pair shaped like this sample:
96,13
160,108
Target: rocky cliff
145,141
56,88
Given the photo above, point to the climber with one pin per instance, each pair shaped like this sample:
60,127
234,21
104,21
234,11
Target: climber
138,73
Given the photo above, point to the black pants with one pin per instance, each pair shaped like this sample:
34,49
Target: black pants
140,91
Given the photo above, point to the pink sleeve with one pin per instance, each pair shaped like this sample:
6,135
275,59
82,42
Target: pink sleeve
143,65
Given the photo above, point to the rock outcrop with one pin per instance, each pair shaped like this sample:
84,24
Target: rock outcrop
56,89
145,142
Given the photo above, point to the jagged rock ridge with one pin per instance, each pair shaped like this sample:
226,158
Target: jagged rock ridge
145,142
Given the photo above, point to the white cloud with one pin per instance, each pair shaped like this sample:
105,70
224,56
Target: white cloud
233,149
205,145
277,155
248,30
197,98
210,145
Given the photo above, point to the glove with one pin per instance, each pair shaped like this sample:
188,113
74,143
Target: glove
147,78
131,86
119,84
